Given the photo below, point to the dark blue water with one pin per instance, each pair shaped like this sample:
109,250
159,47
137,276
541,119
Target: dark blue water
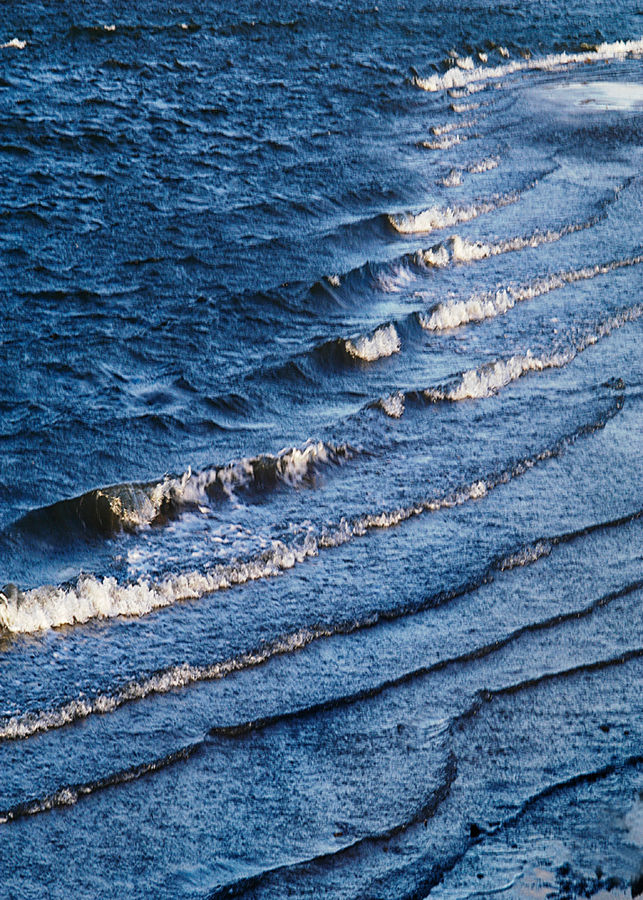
320,462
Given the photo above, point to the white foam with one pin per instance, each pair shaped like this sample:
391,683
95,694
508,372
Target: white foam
460,78
436,218
454,313
444,143
459,250
94,598
488,379
292,465
133,506
384,341
526,557
485,165
90,597
439,130
465,63
453,179
476,384
393,405
478,307
436,257
15,43
464,107
472,251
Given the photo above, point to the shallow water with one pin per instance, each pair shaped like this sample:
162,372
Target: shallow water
320,483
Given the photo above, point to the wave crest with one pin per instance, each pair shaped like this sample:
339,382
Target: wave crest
458,77
436,218
382,342
130,507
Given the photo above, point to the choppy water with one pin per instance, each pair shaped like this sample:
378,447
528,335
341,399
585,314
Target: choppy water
320,471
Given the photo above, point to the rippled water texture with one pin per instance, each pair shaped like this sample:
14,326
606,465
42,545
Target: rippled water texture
320,465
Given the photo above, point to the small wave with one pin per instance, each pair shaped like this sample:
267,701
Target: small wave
464,107
171,679
473,251
453,179
94,598
69,795
488,379
531,553
130,507
436,218
449,127
597,666
384,341
460,250
463,78
176,677
396,277
477,653
485,165
444,143
392,405
16,43
427,810
495,303
437,257
526,556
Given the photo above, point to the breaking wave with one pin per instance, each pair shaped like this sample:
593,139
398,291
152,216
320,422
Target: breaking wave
452,179
180,676
95,598
129,507
436,218
445,142
460,77
495,303
392,405
384,341
16,43
485,165
439,130
463,250
491,377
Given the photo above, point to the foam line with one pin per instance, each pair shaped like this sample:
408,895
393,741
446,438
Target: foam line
490,304
182,676
436,218
94,598
488,379
458,77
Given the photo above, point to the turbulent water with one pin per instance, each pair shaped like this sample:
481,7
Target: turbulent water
321,405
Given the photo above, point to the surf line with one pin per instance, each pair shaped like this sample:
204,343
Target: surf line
93,598
25,725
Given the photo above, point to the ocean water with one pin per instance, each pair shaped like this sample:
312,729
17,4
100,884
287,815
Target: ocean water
321,423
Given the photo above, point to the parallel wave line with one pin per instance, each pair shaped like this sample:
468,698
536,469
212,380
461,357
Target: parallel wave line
490,304
488,379
242,728
91,597
25,725
463,77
